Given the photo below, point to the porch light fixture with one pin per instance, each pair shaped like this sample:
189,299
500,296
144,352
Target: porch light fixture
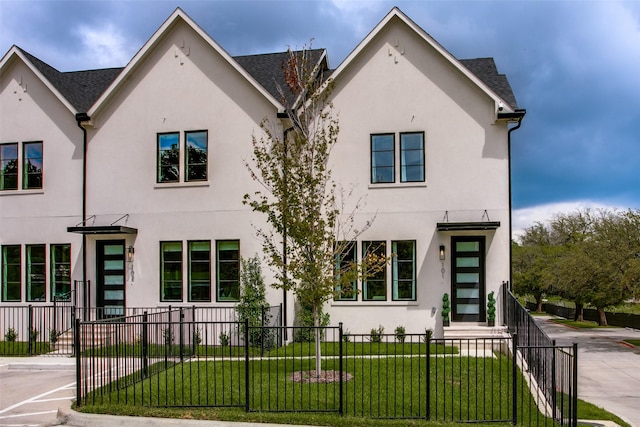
442,253
130,252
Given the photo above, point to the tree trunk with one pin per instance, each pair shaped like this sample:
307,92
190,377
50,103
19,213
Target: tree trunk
539,305
316,324
602,317
578,316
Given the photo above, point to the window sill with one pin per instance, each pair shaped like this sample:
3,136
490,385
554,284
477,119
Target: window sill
20,192
374,303
398,185
182,184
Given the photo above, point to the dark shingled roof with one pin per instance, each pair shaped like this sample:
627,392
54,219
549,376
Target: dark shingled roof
80,88
486,70
83,88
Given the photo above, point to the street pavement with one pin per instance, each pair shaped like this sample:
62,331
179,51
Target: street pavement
608,370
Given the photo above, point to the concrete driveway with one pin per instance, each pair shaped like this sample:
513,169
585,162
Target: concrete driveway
608,371
33,388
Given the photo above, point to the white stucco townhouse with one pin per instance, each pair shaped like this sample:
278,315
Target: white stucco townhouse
131,179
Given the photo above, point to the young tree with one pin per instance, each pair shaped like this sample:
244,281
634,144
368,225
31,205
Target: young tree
252,298
308,227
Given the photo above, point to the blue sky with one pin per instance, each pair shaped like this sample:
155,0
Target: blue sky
574,65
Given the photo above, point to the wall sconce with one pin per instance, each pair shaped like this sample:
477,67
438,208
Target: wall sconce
441,253
130,252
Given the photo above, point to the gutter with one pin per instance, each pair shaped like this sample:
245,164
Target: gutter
515,117
80,119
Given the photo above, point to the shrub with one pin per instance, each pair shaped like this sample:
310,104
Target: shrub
491,307
33,335
446,307
346,336
197,337
304,319
54,335
400,334
250,307
376,334
10,335
167,334
225,339
428,335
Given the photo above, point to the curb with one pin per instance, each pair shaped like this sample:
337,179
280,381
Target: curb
69,417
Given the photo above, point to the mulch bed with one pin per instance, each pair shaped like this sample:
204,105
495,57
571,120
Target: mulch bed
324,377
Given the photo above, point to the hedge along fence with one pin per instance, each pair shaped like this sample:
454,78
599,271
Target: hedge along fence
625,320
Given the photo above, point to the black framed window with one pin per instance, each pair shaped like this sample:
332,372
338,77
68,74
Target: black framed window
374,286
382,158
11,273
168,157
36,277
412,157
171,271
345,263
32,165
200,271
196,155
228,270
403,270
60,271
9,166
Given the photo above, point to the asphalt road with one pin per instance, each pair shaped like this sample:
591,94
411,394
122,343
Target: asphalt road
32,389
608,371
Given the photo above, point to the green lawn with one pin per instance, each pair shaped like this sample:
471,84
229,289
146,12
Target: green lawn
20,348
633,342
581,325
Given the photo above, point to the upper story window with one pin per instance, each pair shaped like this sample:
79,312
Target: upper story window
24,171
411,158
191,151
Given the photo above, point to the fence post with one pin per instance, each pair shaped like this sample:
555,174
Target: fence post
340,367
514,380
181,335
145,346
29,329
428,392
76,346
554,400
574,398
246,365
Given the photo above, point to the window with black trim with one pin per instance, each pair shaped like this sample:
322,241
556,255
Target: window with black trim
32,165
200,271
383,158
11,273
60,271
228,270
191,151
411,158
403,270
374,286
35,274
171,271
345,265
9,166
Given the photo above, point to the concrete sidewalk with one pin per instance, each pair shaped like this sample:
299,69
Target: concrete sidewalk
608,370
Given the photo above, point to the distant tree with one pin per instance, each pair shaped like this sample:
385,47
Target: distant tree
530,259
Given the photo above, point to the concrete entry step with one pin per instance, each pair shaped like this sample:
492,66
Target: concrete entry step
474,330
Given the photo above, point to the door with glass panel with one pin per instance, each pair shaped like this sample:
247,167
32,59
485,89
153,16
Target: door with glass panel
468,273
110,288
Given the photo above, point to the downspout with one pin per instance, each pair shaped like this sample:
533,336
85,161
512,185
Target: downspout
284,242
516,116
81,118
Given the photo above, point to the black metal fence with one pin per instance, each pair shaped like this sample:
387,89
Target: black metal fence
48,329
171,359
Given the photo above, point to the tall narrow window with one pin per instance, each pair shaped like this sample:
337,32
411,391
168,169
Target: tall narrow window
9,166
32,165
382,158
412,157
171,271
344,266
168,157
200,271
11,273
60,271
196,159
228,256
36,278
404,270
374,287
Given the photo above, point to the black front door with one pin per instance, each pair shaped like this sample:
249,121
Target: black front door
110,278
468,286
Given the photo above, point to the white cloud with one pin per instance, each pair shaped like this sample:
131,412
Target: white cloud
526,217
106,46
